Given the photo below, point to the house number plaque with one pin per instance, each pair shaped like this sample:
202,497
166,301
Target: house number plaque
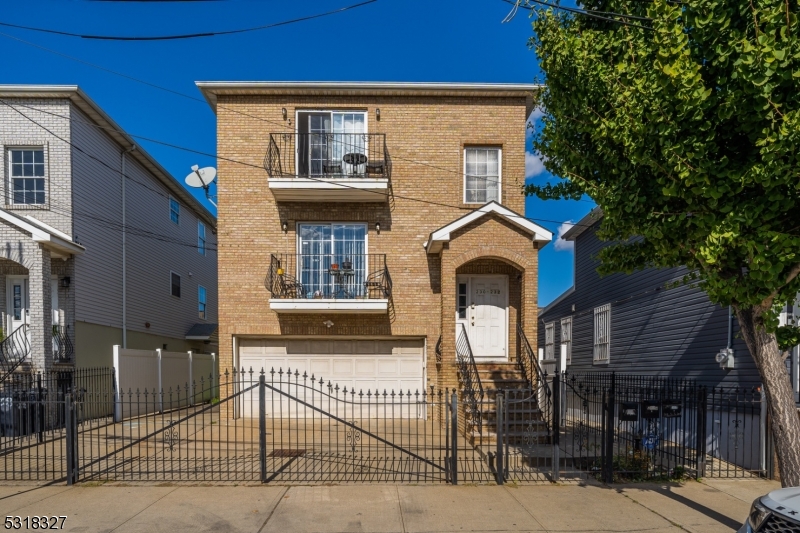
487,291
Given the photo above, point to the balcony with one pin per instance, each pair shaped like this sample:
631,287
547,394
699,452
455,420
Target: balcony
328,167
329,283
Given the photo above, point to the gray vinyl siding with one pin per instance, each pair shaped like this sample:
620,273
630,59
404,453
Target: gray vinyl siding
151,252
97,197
672,332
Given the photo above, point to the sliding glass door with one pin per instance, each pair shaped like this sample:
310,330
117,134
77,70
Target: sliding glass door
332,262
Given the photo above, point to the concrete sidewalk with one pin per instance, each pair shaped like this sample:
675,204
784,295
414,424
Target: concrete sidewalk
710,506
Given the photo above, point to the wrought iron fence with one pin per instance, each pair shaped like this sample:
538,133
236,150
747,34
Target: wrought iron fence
644,427
338,276
33,418
327,155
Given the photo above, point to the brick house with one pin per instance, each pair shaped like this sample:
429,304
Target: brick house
99,244
364,226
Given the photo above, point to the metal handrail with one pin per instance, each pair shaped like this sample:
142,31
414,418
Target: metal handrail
13,351
470,379
536,377
62,345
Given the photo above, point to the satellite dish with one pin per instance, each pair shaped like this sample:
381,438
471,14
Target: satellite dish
201,177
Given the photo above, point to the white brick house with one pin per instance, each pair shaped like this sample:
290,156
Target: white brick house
99,245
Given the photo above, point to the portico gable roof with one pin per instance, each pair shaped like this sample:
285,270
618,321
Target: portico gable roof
52,239
442,235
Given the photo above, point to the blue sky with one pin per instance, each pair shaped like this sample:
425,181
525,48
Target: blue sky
408,40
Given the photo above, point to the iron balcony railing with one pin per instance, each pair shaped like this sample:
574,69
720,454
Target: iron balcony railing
327,155
538,380
338,276
62,345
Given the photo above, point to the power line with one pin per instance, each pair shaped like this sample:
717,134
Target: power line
184,35
588,13
251,165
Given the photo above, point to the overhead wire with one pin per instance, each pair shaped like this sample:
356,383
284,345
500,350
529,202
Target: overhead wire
589,13
185,35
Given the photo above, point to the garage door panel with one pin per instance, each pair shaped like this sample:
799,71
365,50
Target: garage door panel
359,366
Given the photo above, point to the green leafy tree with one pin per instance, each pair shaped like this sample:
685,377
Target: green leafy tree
685,132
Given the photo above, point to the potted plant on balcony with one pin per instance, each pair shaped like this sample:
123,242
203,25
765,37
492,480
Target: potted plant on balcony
334,266
347,264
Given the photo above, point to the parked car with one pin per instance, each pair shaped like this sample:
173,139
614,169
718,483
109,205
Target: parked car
778,512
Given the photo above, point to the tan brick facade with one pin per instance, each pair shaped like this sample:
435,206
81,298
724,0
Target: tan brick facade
425,138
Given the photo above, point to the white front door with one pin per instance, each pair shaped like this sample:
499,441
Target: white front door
483,309
16,302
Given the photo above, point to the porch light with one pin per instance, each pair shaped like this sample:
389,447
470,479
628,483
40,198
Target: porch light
378,227
285,226
283,112
378,113
65,282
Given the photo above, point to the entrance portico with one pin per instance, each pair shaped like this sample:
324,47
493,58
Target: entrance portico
34,257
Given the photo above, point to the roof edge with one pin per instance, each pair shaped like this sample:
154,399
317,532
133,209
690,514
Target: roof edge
583,224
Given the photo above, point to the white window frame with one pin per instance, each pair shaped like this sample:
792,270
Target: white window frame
11,177
566,337
499,173
549,340
177,210
601,354
180,284
201,239
203,302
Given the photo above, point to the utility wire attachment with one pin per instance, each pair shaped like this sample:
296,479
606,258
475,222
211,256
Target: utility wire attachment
512,13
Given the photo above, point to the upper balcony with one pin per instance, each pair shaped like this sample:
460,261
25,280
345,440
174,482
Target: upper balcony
328,167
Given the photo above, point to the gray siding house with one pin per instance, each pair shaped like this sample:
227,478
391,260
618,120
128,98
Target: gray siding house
99,244
636,324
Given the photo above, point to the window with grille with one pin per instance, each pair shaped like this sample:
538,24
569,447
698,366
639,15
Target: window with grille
27,176
566,337
481,175
549,340
602,333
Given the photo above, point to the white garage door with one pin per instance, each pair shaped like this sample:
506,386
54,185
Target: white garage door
360,365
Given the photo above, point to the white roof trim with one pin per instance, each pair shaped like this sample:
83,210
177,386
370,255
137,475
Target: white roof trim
40,232
442,235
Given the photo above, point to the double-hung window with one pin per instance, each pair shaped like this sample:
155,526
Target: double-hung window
566,337
201,238
27,176
174,210
201,302
602,334
549,340
332,262
481,175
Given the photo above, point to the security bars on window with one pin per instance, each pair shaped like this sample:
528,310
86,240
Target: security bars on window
602,332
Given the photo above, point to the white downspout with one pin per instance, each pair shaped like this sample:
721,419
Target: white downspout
124,252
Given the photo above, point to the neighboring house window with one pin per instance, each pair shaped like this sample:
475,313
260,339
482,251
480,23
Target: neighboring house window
566,337
201,301
27,176
175,282
201,237
549,340
174,210
602,333
332,260
481,175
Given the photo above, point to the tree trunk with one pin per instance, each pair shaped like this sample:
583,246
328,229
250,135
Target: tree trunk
783,413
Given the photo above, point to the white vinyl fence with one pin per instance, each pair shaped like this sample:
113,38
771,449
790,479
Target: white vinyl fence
146,379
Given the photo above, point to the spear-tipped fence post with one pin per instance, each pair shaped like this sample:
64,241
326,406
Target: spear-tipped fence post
454,438
262,426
